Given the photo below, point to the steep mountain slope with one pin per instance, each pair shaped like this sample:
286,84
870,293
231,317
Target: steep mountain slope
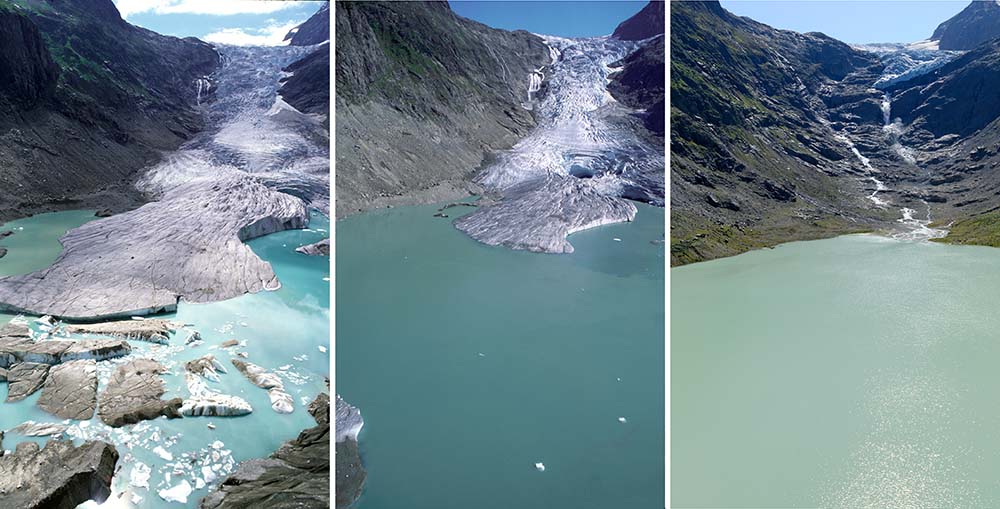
645,24
758,122
976,24
423,96
640,83
308,87
315,30
90,101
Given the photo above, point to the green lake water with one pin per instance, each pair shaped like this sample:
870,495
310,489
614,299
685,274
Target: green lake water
852,372
471,363
283,331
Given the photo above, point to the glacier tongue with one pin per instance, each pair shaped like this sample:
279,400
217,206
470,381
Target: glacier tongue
575,168
256,169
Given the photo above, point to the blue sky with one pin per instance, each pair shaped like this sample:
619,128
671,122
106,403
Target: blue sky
221,21
852,21
566,19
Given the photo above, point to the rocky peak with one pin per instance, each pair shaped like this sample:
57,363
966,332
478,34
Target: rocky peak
314,30
976,24
645,23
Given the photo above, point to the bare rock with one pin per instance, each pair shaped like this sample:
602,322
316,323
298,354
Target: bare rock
58,476
70,390
24,378
133,394
297,475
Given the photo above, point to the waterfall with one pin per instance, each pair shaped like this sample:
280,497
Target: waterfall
203,86
886,109
535,82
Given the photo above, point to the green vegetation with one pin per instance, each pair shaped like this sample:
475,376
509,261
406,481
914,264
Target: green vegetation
981,230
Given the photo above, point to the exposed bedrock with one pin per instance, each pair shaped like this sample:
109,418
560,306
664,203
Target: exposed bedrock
187,245
296,476
538,215
133,394
70,390
351,473
58,476
321,248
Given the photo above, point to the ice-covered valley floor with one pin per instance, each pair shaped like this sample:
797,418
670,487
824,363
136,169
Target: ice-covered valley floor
258,168
581,164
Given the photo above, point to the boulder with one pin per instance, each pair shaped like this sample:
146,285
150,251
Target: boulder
58,476
70,390
133,395
24,378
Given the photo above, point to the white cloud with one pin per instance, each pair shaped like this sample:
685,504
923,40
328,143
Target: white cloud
271,35
211,7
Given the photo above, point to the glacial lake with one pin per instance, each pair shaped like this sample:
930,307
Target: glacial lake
471,363
281,329
852,372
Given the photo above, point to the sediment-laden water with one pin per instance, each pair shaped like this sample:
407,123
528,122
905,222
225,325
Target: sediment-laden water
852,372
472,363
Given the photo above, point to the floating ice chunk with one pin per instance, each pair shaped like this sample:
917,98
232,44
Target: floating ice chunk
616,239
139,477
481,354
179,493
217,445
540,466
163,453
622,420
208,474
322,348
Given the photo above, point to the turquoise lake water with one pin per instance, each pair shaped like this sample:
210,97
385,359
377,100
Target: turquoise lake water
282,329
851,372
471,363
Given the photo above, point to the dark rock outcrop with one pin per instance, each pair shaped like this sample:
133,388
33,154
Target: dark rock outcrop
976,24
58,476
644,24
133,395
87,100
351,473
640,83
314,30
308,88
423,95
296,476
30,73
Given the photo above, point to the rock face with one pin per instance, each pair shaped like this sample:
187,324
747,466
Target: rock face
759,143
314,30
640,83
976,24
124,94
321,248
58,476
281,401
32,74
308,88
133,394
645,24
24,378
70,390
351,473
297,475
423,96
